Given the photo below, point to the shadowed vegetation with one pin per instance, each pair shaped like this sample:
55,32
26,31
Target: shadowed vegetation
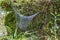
44,23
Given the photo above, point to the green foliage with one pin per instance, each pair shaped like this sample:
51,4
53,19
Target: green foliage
6,5
10,21
45,20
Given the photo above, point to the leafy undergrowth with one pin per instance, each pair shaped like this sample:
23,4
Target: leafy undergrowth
48,19
52,35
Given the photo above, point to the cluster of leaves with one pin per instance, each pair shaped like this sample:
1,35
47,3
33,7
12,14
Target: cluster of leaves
10,22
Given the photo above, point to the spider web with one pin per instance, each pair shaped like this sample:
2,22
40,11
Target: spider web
22,21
